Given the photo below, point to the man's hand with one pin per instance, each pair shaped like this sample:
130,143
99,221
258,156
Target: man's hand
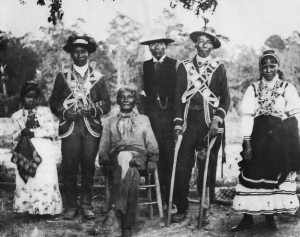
213,130
87,111
177,132
247,150
151,166
27,133
71,115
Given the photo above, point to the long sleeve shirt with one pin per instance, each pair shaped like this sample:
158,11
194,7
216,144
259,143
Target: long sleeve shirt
142,137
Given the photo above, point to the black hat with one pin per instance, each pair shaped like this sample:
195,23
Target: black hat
84,41
208,31
30,86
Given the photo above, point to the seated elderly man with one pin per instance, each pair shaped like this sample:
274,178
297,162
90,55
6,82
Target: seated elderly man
127,146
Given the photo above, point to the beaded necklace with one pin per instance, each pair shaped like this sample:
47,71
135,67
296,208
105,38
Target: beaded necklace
266,97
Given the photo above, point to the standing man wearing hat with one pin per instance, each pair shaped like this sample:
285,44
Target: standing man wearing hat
79,99
158,94
201,103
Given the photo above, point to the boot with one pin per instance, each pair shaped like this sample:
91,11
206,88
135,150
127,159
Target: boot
245,223
270,221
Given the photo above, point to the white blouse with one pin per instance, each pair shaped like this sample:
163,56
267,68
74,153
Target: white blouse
44,117
286,104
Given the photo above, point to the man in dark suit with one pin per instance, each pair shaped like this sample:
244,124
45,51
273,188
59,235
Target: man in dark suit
202,100
79,99
158,91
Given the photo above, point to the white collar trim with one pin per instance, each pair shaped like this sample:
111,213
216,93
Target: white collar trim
160,60
203,60
81,70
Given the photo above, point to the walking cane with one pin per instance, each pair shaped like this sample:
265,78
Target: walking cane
173,179
210,145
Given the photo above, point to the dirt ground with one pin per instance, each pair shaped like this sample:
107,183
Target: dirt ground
221,219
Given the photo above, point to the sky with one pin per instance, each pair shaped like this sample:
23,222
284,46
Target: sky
248,22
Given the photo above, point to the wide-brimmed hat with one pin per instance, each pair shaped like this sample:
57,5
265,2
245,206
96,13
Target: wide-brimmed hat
210,32
84,41
156,36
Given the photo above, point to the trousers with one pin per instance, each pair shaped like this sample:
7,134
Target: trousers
79,148
194,139
125,187
163,127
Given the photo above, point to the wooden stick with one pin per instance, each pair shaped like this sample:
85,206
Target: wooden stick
210,145
158,194
173,179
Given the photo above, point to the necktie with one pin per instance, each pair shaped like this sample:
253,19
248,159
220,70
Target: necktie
157,66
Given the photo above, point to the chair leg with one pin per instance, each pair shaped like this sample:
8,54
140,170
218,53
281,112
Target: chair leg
158,193
149,197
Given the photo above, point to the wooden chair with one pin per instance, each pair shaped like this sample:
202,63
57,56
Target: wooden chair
148,186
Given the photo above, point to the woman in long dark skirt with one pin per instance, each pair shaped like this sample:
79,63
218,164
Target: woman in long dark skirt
271,147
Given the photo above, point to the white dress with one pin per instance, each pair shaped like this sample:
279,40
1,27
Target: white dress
40,195
259,200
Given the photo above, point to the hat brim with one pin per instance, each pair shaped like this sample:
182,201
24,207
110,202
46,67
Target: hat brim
215,41
91,48
165,40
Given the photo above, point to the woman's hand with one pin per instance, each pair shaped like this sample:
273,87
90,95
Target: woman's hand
247,150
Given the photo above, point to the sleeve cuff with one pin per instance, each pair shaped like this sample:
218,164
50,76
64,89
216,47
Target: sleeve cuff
218,119
247,138
178,127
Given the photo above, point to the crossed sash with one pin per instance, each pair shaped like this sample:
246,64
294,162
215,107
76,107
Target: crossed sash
79,96
199,82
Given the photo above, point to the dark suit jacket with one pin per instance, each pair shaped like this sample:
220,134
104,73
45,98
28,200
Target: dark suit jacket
160,84
218,85
98,94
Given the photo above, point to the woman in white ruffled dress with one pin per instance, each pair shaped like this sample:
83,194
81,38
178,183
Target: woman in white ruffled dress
271,147
37,190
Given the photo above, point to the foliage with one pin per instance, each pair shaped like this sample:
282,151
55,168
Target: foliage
21,62
125,51
196,5
56,14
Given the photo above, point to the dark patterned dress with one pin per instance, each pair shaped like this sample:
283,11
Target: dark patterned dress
267,185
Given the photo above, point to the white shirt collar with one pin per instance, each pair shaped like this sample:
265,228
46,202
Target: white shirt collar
160,60
203,60
270,84
81,70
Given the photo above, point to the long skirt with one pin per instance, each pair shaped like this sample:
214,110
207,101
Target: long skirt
40,195
267,181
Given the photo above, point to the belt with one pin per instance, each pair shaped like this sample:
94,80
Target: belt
196,107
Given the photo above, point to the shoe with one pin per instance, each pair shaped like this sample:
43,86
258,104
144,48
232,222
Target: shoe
87,214
270,221
70,215
127,232
178,217
245,223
